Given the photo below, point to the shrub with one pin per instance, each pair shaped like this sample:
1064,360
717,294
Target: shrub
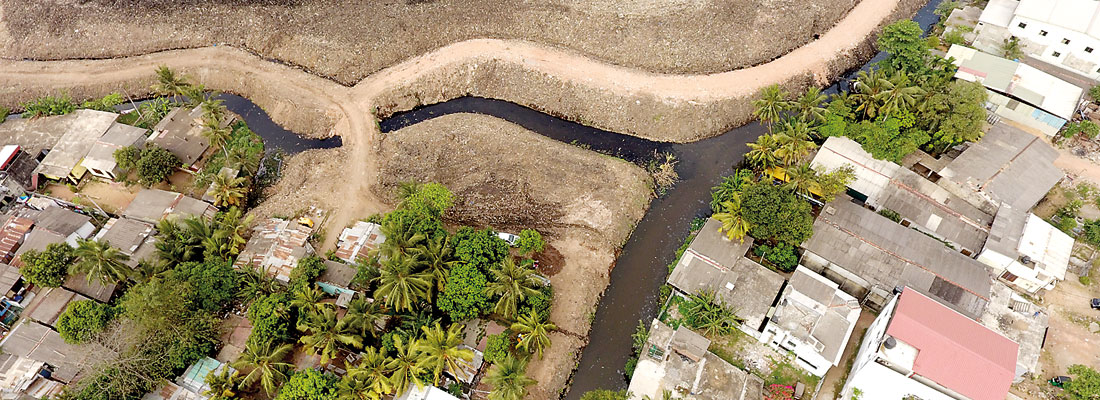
890,214
955,36
47,268
1094,93
309,384
497,347
782,255
127,157
1087,128
530,241
1085,280
540,303
47,106
155,164
1092,230
82,320
270,318
107,103
603,394
1085,384
307,272
4,111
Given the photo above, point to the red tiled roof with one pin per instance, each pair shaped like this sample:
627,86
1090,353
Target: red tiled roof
953,350
11,236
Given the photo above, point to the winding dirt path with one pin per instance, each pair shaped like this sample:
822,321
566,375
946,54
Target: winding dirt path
517,71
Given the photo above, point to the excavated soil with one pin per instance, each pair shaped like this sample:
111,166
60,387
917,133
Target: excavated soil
347,39
585,205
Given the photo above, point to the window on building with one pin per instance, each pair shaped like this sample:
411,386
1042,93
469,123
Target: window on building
1065,41
1008,276
1056,54
1088,49
1042,33
1022,25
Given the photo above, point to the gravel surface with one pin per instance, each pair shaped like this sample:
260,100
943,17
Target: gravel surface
347,40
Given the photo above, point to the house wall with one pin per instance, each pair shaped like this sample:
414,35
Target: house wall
1024,114
1072,56
868,349
1028,279
805,355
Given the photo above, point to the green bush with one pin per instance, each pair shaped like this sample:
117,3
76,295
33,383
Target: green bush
47,106
155,165
4,111
1087,128
1085,280
954,37
82,320
783,255
603,394
1092,231
1094,93
270,319
309,384
107,103
464,297
530,241
539,303
307,272
497,347
890,214
47,268
127,157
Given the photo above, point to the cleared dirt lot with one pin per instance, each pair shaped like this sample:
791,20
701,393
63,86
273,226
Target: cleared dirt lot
348,39
584,203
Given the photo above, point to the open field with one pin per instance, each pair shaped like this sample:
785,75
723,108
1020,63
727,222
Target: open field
348,40
504,176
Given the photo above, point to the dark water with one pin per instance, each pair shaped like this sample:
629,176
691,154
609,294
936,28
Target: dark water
641,267
274,136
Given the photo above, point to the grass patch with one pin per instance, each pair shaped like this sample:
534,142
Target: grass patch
727,347
784,372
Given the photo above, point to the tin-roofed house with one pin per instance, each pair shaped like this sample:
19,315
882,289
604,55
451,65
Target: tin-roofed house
180,132
358,240
100,160
12,234
17,177
60,221
814,319
132,237
919,348
82,130
678,361
870,256
48,305
1026,252
38,342
716,264
153,205
336,281
275,247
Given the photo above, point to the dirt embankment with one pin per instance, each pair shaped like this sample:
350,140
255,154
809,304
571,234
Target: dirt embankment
586,204
349,39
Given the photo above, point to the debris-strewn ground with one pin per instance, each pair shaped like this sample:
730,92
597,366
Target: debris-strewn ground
584,203
349,39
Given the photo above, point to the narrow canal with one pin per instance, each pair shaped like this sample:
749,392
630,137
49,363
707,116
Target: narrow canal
640,269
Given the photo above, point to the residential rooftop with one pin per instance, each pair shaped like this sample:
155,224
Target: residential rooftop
180,132
35,341
275,247
37,240
1009,165
58,220
126,234
665,366
889,255
13,232
48,306
815,310
1018,80
153,205
90,287
358,240
80,135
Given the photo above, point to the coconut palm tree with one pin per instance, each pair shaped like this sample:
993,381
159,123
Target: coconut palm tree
228,191
325,334
733,223
762,152
508,379
233,226
239,157
223,385
794,146
437,257
99,261
400,284
363,316
867,87
149,269
373,370
808,106
401,238
899,95
405,367
214,131
534,332
513,284
439,350
252,285
802,179
212,107
308,301
771,105
168,83
176,243
265,364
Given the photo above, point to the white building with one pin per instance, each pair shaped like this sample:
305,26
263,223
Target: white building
918,347
1025,251
1019,92
814,319
417,392
1064,33
677,360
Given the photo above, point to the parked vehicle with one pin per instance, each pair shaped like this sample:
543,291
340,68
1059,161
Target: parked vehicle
1059,381
508,237
1095,304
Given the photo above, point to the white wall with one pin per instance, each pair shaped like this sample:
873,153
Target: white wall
1072,56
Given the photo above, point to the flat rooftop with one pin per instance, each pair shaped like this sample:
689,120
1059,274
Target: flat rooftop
1010,165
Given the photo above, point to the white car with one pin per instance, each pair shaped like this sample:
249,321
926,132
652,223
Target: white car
509,238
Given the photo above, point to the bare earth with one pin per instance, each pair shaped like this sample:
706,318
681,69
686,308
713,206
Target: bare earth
509,178
348,40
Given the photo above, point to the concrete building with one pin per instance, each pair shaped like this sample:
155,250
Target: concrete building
870,256
1007,166
716,264
814,320
275,247
22,377
1020,320
1064,33
180,132
59,221
38,342
357,241
918,347
1019,92
1026,252
100,160
81,131
921,203
132,237
678,361
153,205
190,385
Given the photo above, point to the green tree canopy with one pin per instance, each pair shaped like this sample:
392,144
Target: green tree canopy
464,296
479,247
82,320
886,139
530,241
213,284
307,272
1085,384
155,164
776,214
270,317
906,48
49,267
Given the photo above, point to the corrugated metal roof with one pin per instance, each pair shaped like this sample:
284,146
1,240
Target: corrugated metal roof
358,240
275,247
1022,81
954,351
12,235
1009,165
